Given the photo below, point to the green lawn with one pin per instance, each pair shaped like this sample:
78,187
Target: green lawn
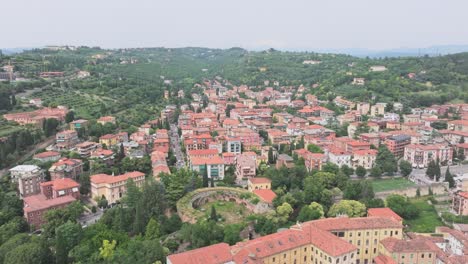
231,212
427,220
381,185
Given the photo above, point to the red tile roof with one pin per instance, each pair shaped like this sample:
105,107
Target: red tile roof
266,195
104,178
259,180
382,259
209,161
40,202
384,212
203,152
61,184
46,154
214,254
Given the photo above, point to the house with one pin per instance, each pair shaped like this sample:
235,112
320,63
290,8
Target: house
60,187
284,160
105,155
47,156
363,108
458,125
202,153
233,145
460,203
66,139
159,164
36,206
258,184
106,119
378,68
66,168
266,195
109,140
113,188
28,178
214,167
359,81
378,109
79,124
339,156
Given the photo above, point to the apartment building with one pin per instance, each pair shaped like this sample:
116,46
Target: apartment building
397,143
246,164
460,203
66,168
28,178
66,139
420,155
214,167
365,158
86,148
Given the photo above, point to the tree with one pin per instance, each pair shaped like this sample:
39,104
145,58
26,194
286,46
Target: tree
50,126
32,252
461,151
13,100
70,116
358,190
133,194
386,161
350,208
348,171
213,214
205,176
361,171
152,229
67,236
271,159
314,148
431,169
405,168
310,212
400,205
107,250
449,178
121,152
284,211
375,172
437,170
231,233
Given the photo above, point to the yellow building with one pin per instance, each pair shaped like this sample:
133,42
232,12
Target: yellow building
109,140
340,240
408,251
113,187
258,184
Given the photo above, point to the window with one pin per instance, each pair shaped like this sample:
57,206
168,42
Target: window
375,233
367,233
430,255
359,234
367,242
359,242
385,233
352,255
375,250
274,259
305,249
396,232
422,255
375,241
284,256
367,251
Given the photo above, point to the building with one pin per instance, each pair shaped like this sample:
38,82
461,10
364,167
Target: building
458,125
365,158
378,109
66,168
79,124
37,117
363,108
460,203
420,155
106,119
408,251
339,157
384,212
36,206
340,240
47,156
86,148
284,160
105,155
66,139
378,68
359,81
258,184
233,145
60,187
246,165
109,140
112,188
28,178
397,143
214,167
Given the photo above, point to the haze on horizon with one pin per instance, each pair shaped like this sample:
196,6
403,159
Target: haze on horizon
254,24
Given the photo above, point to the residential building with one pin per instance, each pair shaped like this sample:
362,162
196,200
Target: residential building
460,203
36,206
66,168
60,187
233,145
106,119
37,117
79,124
66,139
105,155
86,148
408,251
109,140
363,108
378,109
339,157
246,165
28,178
214,167
284,160
420,155
365,158
397,143
458,125
359,81
111,187
47,156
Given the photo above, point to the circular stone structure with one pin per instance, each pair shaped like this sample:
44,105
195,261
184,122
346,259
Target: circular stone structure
187,205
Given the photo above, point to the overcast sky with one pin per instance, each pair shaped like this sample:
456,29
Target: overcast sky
251,24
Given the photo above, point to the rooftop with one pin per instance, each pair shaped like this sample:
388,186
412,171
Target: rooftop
39,202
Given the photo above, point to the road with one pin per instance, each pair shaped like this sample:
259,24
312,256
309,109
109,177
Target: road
88,219
175,145
419,175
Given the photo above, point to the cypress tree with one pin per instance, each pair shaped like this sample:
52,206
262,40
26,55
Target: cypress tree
213,215
205,176
449,178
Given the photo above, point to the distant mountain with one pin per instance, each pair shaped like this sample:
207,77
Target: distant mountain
402,52
9,51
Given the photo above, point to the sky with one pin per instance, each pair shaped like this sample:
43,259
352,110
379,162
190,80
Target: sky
250,24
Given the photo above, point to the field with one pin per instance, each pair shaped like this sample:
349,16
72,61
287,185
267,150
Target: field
427,220
230,212
381,185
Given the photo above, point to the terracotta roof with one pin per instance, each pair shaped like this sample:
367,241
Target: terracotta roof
203,152
346,223
104,178
382,259
259,180
266,195
365,152
384,212
394,245
61,184
210,161
214,254
46,154
40,202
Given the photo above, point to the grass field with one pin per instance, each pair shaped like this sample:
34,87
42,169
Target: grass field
231,212
427,220
381,185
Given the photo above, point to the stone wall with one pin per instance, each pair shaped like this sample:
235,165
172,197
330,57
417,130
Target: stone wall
437,189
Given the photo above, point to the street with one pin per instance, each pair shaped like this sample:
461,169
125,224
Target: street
175,145
419,175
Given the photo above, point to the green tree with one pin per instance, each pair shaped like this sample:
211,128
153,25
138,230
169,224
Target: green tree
213,214
70,116
133,194
205,176
405,168
67,236
449,178
350,208
386,161
152,229
32,252
375,172
310,212
284,211
314,148
231,233
400,205
107,250
361,171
